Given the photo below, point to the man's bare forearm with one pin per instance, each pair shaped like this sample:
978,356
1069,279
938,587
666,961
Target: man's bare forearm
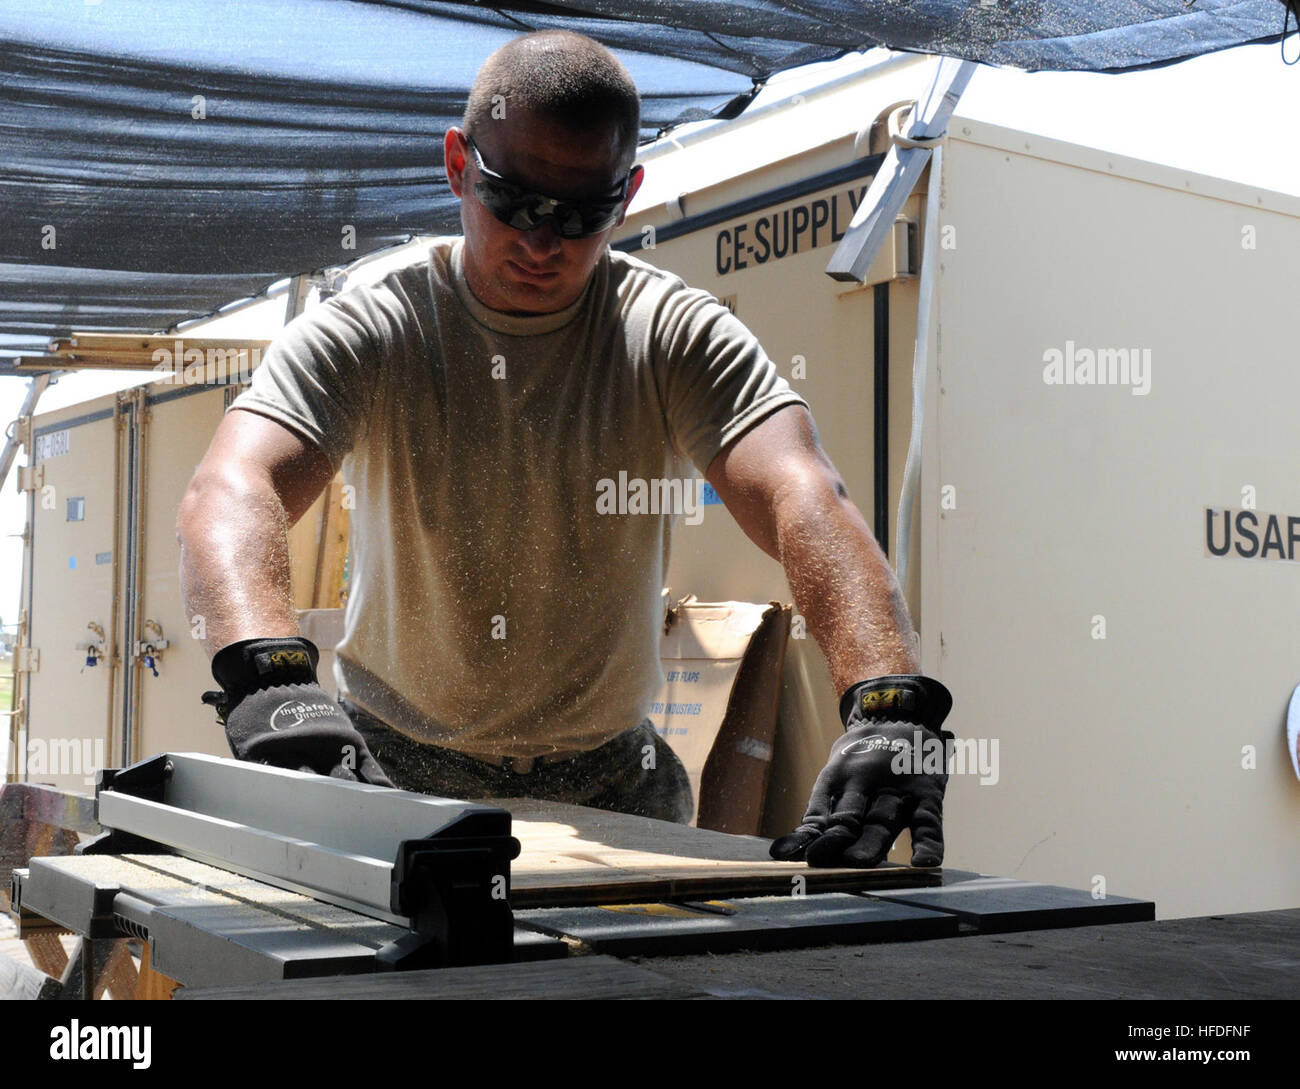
234,542
842,583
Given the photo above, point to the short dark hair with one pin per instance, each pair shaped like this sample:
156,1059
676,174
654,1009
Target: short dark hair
565,76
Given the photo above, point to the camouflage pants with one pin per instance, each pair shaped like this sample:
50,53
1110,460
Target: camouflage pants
637,772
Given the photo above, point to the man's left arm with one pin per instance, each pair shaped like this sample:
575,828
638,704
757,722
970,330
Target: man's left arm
782,489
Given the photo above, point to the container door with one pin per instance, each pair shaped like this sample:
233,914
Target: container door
70,728
167,662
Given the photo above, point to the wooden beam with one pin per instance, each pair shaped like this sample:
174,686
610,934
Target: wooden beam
47,953
37,364
124,351
304,546
152,985
332,548
108,344
119,977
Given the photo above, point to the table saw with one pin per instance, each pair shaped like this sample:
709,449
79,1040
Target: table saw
233,874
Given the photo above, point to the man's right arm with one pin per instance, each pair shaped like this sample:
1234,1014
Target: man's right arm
256,480
274,452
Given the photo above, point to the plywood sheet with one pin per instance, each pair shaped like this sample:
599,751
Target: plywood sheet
573,855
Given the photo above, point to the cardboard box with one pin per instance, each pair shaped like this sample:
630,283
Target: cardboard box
722,667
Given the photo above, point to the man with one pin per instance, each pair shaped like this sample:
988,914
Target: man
502,629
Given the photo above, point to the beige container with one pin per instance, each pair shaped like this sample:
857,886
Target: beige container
1137,684
108,481
1119,690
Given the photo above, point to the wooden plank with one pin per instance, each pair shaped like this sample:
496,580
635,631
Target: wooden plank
582,978
46,951
758,924
153,986
573,855
145,345
127,351
48,957
119,976
304,546
102,953
614,886
331,549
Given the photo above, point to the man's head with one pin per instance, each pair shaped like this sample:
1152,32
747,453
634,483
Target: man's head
550,115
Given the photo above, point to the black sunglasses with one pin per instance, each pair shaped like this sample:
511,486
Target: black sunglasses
524,209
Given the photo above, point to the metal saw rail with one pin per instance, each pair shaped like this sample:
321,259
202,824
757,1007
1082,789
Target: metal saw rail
433,865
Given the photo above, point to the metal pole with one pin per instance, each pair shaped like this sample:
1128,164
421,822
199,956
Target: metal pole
873,223
880,433
920,364
35,387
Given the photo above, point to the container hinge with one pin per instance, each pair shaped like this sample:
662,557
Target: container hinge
27,659
31,477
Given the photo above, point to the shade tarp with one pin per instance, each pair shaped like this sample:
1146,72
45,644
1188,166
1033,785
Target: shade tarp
160,160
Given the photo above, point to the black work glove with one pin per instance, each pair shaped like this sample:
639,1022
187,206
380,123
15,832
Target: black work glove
275,711
876,783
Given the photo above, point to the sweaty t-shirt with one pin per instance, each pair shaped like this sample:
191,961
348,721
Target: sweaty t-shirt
514,484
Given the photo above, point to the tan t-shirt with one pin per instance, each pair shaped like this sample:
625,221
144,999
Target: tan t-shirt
505,593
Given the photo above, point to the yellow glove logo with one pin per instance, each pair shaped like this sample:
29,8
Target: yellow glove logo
287,659
887,699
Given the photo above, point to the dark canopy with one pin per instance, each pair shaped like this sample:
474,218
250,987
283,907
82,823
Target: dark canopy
159,160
